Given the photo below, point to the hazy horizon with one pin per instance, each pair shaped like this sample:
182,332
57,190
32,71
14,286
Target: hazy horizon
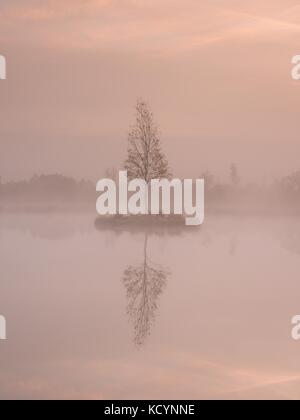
217,76
106,291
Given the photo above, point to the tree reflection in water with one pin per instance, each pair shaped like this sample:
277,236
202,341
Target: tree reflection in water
144,284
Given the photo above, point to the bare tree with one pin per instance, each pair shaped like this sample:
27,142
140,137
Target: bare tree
145,158
144,284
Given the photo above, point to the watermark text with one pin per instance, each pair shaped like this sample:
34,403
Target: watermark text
2,328
2,67
296,327
296,67
159,196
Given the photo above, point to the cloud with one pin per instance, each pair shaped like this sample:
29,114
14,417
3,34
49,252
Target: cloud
49,9
157,26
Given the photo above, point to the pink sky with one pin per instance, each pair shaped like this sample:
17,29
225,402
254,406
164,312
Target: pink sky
216,73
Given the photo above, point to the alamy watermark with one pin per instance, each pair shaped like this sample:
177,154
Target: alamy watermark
2,328
2,67
296,327
296,67
2,318
137,197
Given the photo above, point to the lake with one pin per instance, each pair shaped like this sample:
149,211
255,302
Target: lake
201,313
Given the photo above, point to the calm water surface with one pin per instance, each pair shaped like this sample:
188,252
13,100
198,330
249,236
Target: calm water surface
99,314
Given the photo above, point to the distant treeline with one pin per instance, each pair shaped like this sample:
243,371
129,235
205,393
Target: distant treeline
47,189
232,196
282,195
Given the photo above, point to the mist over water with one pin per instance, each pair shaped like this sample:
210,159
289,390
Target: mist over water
144,307
211,318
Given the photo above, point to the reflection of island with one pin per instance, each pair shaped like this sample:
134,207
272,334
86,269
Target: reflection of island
159,225
48,225
144,284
